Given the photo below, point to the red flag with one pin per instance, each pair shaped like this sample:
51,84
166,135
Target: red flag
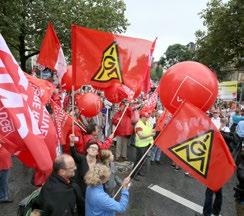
147,81
102,58
129,93
194,143
45,88
51,53
151,102
18,124
60,117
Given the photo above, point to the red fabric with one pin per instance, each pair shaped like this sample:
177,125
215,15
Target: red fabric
49,49
92,50
147,81
20,127
80,144
57,99
66,102
44,87
51,53
5,159
151,103
125,127
191,136
162,121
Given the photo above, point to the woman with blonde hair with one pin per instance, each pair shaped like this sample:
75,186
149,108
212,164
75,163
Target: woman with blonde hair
98,202
107,159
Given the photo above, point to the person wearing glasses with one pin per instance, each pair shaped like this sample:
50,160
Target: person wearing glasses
84,163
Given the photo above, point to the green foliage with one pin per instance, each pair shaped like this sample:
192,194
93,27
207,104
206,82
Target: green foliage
222,44
23,22
156,72
177,53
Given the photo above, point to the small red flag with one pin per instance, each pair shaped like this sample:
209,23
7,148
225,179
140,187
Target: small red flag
102,58
194,143
51,53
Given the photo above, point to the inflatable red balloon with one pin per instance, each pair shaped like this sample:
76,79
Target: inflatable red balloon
190,81
114,93
66,81
89,104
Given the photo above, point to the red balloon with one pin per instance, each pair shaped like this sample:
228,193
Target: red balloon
188,81
66,81
114,93
89,104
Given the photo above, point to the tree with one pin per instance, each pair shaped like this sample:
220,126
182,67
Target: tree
156,71
222,44
23,22
177,53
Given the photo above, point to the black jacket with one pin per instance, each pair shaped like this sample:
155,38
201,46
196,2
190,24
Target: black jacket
59,198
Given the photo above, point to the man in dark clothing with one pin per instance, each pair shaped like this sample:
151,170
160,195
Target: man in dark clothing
60,196
211,207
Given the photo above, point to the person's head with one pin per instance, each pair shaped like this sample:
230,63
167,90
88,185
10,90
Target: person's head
215,113
223,121
106,157
99,174
64,166
92,148
144,116
122,105
92,129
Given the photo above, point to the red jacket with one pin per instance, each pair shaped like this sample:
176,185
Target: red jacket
5,159
125,127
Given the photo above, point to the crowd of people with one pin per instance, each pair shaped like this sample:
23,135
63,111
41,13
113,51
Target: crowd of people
84,178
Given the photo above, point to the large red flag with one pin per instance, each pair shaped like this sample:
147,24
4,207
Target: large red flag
102,58
193,142
51,53
20,132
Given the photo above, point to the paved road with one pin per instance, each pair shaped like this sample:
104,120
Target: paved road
143,200
147,199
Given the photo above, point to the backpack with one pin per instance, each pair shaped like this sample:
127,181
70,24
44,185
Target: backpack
25,205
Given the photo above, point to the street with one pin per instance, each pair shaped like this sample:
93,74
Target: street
156,194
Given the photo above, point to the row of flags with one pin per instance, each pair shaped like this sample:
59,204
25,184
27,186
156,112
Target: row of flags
100,59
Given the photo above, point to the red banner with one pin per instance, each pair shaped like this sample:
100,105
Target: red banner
101,58
194,143
18,124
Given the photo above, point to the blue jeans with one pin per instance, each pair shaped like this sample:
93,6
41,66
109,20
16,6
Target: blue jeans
155,154
4,184
210,207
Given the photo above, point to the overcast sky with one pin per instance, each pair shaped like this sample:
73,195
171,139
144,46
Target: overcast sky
172,21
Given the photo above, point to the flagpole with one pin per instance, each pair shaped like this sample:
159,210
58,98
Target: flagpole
73,109
139,162
142,158
121,118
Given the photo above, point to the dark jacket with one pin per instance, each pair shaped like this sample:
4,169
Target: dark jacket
59,198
